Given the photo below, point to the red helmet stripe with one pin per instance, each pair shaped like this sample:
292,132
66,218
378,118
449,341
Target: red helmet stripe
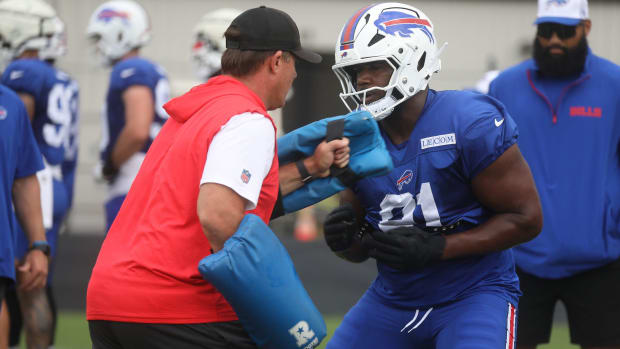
408,20
349,30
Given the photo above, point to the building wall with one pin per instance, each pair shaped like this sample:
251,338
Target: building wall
479,34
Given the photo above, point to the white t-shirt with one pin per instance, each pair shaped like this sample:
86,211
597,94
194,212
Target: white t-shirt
240,156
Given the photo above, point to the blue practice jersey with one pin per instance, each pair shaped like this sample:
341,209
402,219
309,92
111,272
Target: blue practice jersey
127,73
52,92
20,158
458,135
71,144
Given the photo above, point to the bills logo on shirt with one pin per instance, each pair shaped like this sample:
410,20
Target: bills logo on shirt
405,178
245,176
3,113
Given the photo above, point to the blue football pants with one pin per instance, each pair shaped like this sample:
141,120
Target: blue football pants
480,321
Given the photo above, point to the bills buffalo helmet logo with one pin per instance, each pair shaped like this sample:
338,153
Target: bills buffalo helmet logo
395,22
405,178
107,15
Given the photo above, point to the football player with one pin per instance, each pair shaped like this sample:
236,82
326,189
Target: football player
133,113
209,41
441,224
47,94
56,48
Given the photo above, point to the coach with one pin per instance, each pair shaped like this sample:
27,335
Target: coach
214,161
566,103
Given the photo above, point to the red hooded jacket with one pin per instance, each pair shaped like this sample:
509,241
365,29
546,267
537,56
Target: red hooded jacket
147,269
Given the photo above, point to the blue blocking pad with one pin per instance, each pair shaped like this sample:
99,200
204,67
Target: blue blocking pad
255,274
369,156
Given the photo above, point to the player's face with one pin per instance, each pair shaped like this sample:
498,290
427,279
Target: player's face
373,74
557,39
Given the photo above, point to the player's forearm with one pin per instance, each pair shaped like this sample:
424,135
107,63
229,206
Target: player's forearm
129,142
501,232
27,202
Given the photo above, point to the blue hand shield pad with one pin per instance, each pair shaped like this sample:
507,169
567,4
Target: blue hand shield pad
369,156
256,276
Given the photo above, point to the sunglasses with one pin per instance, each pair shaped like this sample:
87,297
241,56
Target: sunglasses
546,30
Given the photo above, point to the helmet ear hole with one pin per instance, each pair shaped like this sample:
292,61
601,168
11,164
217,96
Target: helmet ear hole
397,94
421,61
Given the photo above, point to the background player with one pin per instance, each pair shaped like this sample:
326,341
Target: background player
440,225
209,42
47,95
133,113
566,104
55,49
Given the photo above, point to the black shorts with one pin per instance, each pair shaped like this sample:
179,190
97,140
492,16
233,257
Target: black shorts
592,301
215,335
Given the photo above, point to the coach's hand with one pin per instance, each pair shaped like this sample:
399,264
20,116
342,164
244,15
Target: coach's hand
327,154
340,228
404,248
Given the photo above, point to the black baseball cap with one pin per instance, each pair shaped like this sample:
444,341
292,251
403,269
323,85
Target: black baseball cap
267,29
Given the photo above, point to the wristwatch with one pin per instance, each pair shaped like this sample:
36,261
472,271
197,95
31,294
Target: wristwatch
42,246
303,171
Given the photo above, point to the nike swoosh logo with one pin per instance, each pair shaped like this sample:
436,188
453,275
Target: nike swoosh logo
127,73
16,74
498,123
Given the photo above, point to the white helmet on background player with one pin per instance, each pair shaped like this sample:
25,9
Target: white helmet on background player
24,25
117,27
398,34
56,43
209,41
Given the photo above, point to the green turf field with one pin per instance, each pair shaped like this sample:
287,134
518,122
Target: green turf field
73,333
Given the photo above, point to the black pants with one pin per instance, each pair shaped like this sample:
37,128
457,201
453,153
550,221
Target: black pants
592,301
126,335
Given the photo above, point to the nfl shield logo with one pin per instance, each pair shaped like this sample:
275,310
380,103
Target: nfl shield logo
245,176
3,113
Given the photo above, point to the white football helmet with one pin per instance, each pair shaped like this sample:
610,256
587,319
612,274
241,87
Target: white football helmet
117,27
398,34
210,44
24,25
57,42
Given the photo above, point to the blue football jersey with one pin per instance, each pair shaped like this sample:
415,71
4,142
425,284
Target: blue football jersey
458,135
71,144
127,73
52,96
20,158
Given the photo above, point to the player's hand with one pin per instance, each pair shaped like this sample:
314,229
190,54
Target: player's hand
32,272
340,228
109,171
327,154
404,248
